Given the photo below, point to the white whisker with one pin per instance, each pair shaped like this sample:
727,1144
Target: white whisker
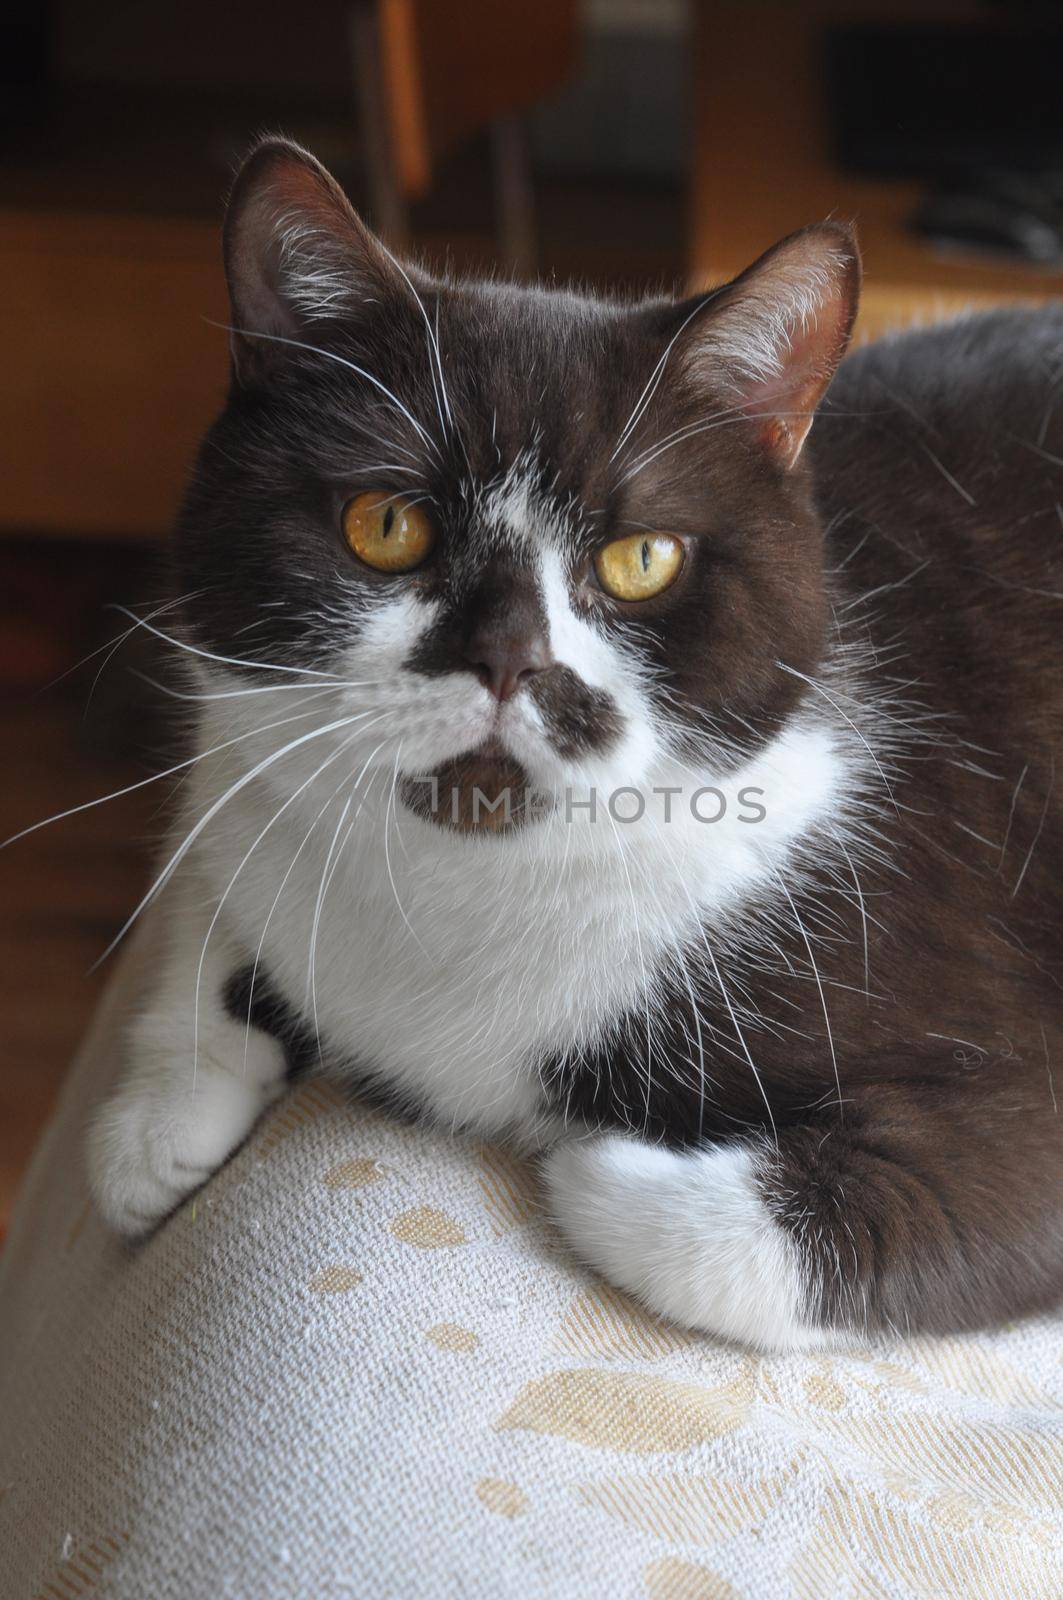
228,661
304,841
310,991
329,355
1040,829
387,854
650,387
175,860
155,777
822,994
281,809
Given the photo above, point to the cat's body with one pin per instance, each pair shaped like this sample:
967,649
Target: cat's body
822,1028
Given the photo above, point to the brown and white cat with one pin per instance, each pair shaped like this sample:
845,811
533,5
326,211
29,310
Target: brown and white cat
772,966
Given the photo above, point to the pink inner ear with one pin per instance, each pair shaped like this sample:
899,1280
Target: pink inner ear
777,333
295,251
787,402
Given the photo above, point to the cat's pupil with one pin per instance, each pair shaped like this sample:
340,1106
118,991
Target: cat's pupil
389,520
645,555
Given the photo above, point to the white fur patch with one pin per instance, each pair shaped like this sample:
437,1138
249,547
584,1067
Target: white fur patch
510,509
688,1234
192,1093
452,964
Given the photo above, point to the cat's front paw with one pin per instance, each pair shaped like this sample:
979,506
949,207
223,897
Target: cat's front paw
158,1139
689,1233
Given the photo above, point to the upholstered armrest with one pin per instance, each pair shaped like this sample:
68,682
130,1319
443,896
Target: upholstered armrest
360,1364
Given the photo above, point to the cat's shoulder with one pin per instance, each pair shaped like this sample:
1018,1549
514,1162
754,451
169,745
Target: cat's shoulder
981,381
986,348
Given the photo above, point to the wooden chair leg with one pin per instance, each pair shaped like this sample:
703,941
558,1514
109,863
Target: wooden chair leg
390,214
514,197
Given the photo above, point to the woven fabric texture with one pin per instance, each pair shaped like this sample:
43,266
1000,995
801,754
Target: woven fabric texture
359,1364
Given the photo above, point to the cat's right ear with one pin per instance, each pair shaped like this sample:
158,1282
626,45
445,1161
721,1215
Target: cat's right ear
297,255
771,340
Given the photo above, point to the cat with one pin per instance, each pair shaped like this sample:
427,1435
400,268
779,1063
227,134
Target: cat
762,956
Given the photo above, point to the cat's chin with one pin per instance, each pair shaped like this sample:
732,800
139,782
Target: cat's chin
485,790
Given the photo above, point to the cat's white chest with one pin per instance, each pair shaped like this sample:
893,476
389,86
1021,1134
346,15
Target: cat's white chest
457,969
449,970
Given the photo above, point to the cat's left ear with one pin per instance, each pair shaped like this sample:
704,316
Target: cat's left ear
773,338
297,256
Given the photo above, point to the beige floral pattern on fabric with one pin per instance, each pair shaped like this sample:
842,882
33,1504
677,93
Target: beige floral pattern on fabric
82,1567
603,1322
501,1496
978,1370
335,1279
885,1378
683,1507
450,1336
950,1493
625,1410
884,1550
508,1189
912,1500
356,1174
427,1228
957,1512
823,1391
672,1579
1006,1468
586,1448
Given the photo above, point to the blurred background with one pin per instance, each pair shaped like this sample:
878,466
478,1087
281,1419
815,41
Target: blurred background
634,143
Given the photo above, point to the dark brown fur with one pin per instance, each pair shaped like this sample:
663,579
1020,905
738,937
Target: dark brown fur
911,564
931,1197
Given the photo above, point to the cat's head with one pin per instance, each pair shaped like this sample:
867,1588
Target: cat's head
526,529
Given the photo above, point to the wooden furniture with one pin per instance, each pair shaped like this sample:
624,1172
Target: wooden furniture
429,76
113,364
762,164
112,368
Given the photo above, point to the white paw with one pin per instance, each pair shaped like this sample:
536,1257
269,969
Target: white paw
689,1234
158,1138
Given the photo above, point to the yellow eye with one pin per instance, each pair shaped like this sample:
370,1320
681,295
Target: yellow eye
640,566
387,532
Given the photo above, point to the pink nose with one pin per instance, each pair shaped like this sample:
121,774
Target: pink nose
504,663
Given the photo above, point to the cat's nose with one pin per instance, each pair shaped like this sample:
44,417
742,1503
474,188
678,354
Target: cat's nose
504,662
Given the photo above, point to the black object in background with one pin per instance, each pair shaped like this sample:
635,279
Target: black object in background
1014,214
25,64
931,101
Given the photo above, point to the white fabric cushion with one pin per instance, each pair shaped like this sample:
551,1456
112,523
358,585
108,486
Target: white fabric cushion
359,1364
